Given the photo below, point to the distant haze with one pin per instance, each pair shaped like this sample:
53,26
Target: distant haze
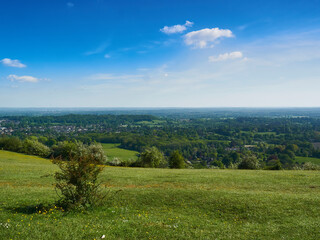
170,112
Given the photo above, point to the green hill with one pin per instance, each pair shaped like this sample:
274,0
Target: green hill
162,204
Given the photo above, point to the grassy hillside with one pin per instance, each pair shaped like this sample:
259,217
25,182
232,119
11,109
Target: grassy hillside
307,159
112,150
163,204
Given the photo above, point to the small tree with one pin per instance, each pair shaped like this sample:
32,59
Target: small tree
78,180
34,147
66,149
152,157
249,162
176,160
13,144
274,164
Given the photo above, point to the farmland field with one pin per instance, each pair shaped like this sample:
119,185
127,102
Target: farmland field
112,150
162,204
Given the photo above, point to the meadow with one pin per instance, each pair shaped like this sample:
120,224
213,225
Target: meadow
112,150
162,204
307,159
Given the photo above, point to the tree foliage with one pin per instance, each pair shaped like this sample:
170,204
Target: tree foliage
176,160
249,162
67,149
152,158
34,147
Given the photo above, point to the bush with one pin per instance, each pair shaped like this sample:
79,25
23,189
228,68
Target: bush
234,165
13,144
297,167
249,162
96,151
116,161
33,147
310,166
218,164
274,165
176,160
78,180
65,150
152,157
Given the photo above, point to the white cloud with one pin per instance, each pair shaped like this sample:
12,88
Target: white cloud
12,63
226,56
29,79
176,28
201,38
70,4
107,56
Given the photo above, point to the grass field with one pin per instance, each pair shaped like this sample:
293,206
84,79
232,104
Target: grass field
162,204
260,133
153,123
307,159
112,150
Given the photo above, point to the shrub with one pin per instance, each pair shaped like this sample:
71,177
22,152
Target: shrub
78,179
96,151
249,162
297,167
152,157
115,161
176,160
234,165
66,150
310,166
218,164
274,165
13,144
33,147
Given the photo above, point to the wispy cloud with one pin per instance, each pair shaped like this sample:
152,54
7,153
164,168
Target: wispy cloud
205,37
30,79
176,28
117,78
99,49
12,63
107,56
226,56
243,27
70,4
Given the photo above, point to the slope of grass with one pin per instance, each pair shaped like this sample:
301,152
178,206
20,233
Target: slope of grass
162,204
112,150
307,159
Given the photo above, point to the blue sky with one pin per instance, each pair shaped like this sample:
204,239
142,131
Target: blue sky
148,53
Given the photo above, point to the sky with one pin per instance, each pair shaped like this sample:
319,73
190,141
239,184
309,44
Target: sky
159,53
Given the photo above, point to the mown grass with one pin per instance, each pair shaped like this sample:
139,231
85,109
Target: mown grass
112,150
307,159
162,204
